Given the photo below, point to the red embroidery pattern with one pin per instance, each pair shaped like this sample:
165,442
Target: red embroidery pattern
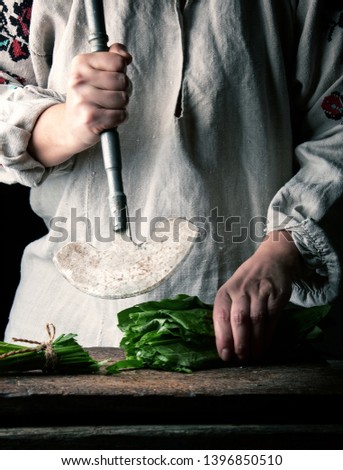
14,29
5,81
332,105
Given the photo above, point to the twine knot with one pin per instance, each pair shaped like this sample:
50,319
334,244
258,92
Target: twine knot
51,358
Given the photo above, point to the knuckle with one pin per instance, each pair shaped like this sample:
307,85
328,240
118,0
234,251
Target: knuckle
221,295
75,79
222,290
266,287
87,114
233,285
125,98
79,67
117,100
78,61
116,47
222,316
121,81
121,116
256,317
239,317
119,62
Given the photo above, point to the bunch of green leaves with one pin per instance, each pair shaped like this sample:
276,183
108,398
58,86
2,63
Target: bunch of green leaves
171,334
178,334
69,357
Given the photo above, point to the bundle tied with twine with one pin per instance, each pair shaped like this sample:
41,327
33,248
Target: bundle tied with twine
62,354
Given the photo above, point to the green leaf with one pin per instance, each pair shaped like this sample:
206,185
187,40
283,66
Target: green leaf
125,364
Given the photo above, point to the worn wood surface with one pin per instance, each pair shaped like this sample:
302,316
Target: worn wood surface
286,401
312,378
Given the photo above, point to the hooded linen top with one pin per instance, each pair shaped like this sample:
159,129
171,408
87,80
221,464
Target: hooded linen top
235,123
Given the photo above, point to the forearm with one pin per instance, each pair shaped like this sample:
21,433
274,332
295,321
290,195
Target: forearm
51,142
97,96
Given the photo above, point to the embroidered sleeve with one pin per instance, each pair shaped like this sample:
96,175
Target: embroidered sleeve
21,99
14,40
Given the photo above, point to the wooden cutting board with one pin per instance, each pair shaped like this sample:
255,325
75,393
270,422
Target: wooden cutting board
274,402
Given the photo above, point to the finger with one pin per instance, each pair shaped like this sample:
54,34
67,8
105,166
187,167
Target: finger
121,50
240,325
99,120
103,80
108,99
107,81
222,327
104,61
259,325
275,308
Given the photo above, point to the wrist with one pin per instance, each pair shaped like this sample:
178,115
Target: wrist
279,245
52,143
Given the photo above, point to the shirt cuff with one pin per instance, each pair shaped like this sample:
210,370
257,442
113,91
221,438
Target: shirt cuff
320,285
22,108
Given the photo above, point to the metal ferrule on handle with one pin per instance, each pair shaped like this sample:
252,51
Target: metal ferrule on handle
112,162
110,144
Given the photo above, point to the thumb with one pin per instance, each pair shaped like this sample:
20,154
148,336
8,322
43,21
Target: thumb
121,50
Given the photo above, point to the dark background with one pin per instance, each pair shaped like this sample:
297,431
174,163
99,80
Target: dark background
19,226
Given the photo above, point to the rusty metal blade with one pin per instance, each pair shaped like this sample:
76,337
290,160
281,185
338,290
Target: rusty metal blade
125,269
